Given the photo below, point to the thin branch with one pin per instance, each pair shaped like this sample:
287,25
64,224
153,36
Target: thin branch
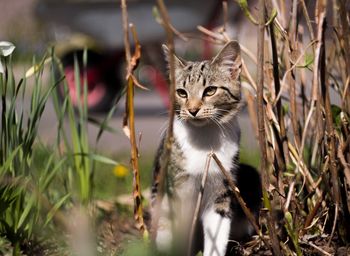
240,200
199,201
165,157
318,248
212,34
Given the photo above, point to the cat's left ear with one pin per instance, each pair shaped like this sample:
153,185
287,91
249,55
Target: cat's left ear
228,60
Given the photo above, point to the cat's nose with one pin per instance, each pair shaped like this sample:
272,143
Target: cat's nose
193,111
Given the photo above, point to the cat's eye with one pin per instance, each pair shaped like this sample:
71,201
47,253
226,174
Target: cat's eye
209,91
182,93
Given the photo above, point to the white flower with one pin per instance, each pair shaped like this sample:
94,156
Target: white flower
6,49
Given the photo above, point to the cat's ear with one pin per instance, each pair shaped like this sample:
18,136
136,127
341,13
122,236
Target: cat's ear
179,62
228,60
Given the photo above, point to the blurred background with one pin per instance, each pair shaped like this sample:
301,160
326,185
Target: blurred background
72,25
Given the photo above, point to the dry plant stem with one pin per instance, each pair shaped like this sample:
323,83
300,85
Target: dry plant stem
324,170
329,127
345,32
261,125
222,38
212,34
291,68
291,75
311,215
199,201
240,200
314,90
323,252
289,196
126,30
308,21
138,211
292,150
281,137
170,136
294,157
345,165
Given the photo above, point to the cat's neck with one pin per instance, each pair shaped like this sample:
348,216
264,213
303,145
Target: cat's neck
210,136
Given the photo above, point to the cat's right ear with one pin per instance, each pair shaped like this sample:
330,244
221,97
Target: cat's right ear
179,62
229,59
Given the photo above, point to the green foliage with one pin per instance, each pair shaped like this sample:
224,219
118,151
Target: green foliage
82,159
21,191
292,232
37,181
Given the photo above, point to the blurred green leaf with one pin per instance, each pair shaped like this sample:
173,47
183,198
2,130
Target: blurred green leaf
244,6
156,15
27,209
9,161
336,110
55,208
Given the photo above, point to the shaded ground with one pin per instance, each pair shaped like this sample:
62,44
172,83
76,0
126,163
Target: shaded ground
117,233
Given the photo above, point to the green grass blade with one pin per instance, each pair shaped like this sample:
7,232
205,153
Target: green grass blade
55,208
29,206
7,165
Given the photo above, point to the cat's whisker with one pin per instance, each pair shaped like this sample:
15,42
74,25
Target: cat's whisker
163,128
223,110
217,122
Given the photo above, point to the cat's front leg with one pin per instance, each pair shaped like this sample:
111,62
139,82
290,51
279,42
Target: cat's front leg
216,232
164,237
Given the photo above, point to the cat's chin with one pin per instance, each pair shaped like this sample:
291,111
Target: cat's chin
199,121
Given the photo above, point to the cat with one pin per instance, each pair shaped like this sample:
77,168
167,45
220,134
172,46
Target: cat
208,98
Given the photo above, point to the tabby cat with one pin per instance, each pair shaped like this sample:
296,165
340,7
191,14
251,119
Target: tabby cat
208,97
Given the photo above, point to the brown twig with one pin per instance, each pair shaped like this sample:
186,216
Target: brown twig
170,136
323,252
212,34
261,124
311,215
199,201
240,200
130,116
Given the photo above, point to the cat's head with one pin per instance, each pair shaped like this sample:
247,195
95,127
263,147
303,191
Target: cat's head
208,91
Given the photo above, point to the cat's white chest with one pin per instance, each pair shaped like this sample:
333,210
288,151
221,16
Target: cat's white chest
197,144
